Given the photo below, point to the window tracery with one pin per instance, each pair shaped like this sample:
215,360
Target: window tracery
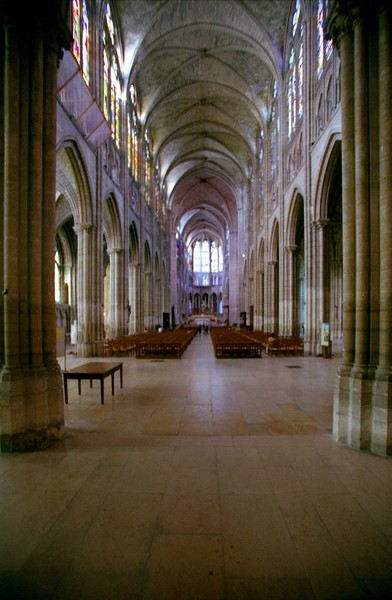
111,77
133,135
81,37
324,46
295,72
275,126
147,169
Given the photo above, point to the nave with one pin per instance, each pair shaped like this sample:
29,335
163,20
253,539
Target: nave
200,479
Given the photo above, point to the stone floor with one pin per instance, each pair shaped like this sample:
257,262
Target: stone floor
201,479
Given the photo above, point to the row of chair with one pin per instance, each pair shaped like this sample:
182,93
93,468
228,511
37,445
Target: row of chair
229,343
168,343
283,345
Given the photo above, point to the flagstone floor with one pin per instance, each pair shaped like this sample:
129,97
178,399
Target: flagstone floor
200,479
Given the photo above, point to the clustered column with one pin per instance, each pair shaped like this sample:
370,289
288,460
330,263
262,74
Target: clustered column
31,397
363,387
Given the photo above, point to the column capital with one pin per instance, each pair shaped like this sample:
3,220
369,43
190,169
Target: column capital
291,249
320,224
341,20
112,251
80,227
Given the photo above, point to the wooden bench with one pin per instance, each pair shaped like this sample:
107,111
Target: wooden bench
232,344
168,344
93,370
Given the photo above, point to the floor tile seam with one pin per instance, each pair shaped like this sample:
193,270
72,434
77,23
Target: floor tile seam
313,578
338,543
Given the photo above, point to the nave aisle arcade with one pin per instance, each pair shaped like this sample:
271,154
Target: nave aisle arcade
134,131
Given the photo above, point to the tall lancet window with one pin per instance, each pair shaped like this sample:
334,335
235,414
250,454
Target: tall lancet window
164,212
157,186
81,37
133,135
275,127
295,81
324,47
111,77
147,169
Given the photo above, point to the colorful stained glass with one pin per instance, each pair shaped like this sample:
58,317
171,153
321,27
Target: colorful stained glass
133,133
85,44
76,30
109,23
106,79
261,146
81,37
300,105
295,73
296,17
320,38
147,169
324,46
111,78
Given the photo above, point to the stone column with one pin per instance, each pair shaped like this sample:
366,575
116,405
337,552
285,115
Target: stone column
85,260
311,294
385,112
363,390
116,292
382,399
272,318
359,407
259,304
290,291
31,397
322,289
342,386
235,279
148,299
133,298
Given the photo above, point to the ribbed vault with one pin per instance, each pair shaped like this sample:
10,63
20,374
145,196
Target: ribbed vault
203,73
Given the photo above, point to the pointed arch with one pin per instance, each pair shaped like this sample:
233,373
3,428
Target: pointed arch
112,223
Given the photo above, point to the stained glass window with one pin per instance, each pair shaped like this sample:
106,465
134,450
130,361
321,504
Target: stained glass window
300,105
81,36
157,182
295,72
164,215
214,257
133,137
275,125
324,47
261,146
106,77
111,78
147,169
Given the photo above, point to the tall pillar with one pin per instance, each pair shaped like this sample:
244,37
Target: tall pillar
86,261
291,299
382,422
312,323
235,279
341,417
148,300
363,390
116,318
259,303
272,308
322,290
31,396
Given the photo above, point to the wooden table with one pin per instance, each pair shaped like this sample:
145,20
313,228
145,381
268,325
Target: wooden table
93,370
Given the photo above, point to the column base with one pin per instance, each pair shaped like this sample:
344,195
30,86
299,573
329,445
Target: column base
362,417
31,408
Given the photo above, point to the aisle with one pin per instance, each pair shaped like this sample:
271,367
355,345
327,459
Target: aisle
201,479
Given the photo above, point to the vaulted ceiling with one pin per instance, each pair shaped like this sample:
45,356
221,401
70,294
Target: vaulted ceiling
203,72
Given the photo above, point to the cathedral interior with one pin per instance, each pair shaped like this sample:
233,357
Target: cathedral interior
179,164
